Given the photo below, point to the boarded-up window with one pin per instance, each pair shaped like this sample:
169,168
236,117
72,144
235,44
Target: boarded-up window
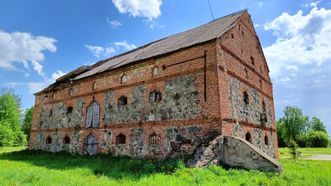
92,116
90,145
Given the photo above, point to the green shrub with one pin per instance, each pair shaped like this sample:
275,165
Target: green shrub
314,139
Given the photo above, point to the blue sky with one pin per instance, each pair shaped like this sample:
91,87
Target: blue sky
41,40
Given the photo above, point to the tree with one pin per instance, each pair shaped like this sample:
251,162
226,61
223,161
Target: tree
10,130
26,125
294,123
317,125
280,129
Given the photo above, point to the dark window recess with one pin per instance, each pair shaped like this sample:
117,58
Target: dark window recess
263,115
252,61
246,73
51,112
154,96
48,140
154,139
242,33
66,140
69,110
266,140
120,139
122,101
232,36
248,137
246,98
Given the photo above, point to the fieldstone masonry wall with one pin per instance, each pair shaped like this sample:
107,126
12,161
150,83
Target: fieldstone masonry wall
182,111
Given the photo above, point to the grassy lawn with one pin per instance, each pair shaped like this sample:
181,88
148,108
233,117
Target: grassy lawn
20,167
284,152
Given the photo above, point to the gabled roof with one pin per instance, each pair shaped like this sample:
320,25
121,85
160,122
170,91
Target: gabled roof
201,34
172,43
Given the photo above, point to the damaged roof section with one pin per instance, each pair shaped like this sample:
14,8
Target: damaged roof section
198,35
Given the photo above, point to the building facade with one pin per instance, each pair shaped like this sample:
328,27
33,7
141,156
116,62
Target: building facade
165,98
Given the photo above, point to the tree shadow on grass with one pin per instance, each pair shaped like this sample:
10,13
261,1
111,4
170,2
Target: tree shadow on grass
101,165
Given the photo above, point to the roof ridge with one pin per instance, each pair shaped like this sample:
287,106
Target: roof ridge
232,14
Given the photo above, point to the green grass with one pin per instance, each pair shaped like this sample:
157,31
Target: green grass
21,167
305,152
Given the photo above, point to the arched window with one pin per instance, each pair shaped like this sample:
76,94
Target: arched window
245,98
66,140
94,86
264,118
246,73
252,61
69,110
92,116
71,91
122,101
48,140
248,137
120,139
154,96
232,36
155,71
124,78
154,139
266,140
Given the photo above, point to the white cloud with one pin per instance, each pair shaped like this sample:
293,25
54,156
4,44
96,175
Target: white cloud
139,8
24,48
114,23
260,4
125,45
99,51
301,40
153,24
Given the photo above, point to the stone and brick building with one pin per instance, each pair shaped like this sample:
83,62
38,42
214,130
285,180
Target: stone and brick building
204,93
